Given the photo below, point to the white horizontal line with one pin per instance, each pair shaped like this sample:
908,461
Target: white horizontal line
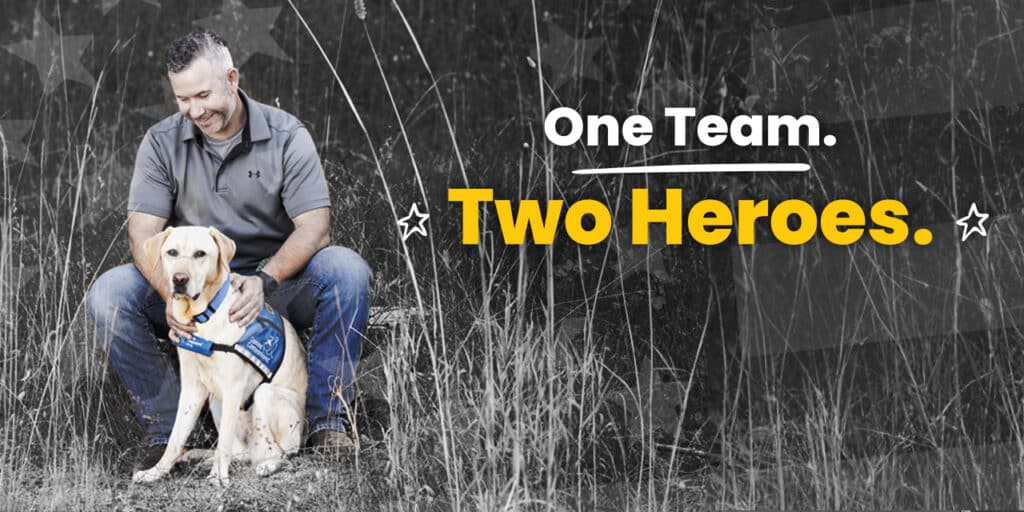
699,168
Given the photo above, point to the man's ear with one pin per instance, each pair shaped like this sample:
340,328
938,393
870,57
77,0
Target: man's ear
151,248
225,248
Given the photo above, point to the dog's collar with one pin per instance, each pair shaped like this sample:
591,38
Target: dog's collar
215,303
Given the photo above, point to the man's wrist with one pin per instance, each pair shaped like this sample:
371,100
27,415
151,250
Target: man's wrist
269,283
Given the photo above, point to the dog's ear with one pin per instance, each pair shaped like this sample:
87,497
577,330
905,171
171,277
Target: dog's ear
225,247
151,248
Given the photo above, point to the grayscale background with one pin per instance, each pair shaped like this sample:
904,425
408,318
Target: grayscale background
614,376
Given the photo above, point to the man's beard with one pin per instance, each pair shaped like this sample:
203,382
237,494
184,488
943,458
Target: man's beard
225,120
212,126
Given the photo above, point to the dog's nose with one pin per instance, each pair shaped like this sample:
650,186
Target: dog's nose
180,279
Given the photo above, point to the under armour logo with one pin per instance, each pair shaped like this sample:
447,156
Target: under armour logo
251,173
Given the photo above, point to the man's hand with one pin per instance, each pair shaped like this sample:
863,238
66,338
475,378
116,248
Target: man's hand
178,329
249,302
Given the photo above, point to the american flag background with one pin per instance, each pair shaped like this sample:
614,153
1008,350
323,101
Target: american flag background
605,377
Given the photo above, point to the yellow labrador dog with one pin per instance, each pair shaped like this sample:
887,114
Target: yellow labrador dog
255,378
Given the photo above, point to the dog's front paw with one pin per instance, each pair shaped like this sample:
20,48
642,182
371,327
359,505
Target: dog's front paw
268,467
148,476
219,479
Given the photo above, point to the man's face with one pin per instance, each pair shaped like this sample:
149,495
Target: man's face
206,94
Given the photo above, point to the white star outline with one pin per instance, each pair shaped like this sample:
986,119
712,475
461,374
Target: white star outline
420,227
969,227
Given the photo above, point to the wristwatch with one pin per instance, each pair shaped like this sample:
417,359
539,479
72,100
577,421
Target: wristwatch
269,283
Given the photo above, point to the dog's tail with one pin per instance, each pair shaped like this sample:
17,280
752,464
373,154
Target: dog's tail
198,455
205,456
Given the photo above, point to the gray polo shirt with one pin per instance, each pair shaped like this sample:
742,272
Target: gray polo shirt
251,195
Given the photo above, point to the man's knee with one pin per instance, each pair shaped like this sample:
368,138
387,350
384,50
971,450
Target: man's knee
343,269
115,290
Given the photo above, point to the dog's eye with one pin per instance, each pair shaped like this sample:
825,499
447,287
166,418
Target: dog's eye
172,252
199,254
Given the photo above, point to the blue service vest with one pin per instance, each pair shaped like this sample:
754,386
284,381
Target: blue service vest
261,345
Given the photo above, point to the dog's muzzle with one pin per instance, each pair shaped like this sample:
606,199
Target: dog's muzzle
179,282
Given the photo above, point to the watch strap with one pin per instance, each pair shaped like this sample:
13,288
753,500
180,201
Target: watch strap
269,283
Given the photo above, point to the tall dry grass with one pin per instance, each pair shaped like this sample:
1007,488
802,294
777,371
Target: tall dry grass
885,418
494,403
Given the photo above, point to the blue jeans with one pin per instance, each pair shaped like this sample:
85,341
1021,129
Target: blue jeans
331,296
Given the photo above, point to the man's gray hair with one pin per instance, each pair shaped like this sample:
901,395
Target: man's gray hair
185,49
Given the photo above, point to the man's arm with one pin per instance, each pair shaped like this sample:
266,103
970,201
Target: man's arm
142,227
312,233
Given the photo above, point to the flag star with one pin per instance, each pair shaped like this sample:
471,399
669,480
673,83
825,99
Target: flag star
405,222
14,132
247,31
17,26
24,274
56,57
107,5
972,223
568,57
639,258
163,107
666,89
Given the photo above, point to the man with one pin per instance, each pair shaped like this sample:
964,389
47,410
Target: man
251,171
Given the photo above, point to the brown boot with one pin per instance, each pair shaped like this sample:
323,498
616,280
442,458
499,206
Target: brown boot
332,444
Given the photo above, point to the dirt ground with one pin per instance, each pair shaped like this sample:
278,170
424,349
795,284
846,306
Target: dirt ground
306,482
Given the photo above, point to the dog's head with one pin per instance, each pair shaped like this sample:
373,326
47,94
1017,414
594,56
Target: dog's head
194,259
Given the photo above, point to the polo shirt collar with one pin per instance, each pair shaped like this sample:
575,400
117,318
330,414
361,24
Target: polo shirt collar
255,129
258,128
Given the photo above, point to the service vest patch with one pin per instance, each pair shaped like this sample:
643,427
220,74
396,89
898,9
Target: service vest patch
262,343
